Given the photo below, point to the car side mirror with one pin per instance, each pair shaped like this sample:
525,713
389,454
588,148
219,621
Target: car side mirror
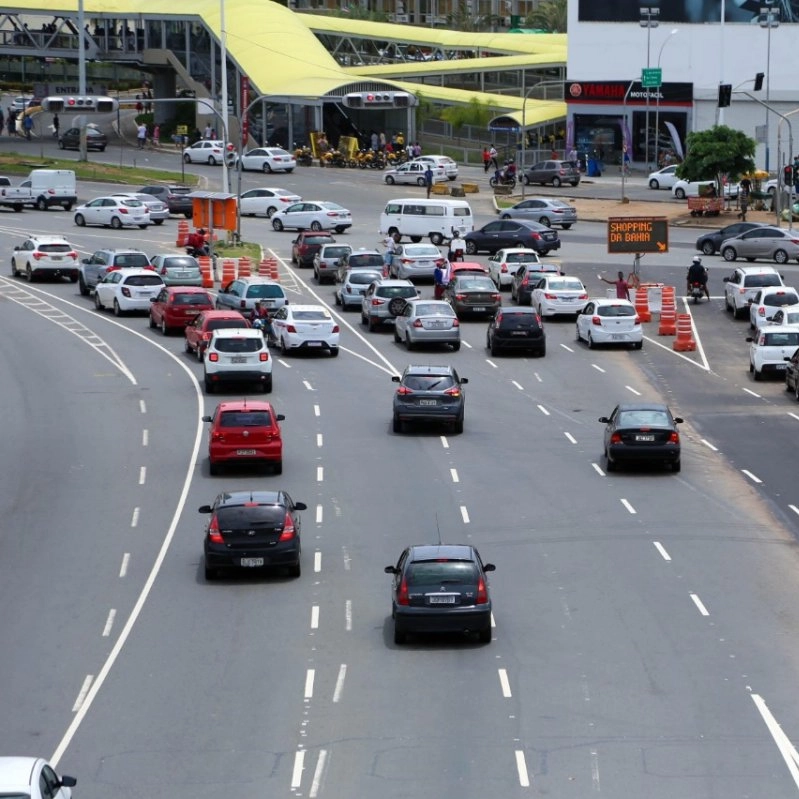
153,299
604,420
208,418
390,570
395,378
204,509
787,359
85,261
16,247
300,506
489,567
725,279
749,339
678,420
464,380
280,417
67,782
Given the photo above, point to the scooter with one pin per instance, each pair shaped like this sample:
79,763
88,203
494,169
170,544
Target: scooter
504,180
697,291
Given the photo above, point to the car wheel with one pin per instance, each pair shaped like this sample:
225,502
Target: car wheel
270,211
420,181
267,169
567,226
79,220
526,180
780,257
186,159
653,184
676,466
390,180
210,572
211,161
199,353
637,345
284,350
295,570
116,224
267,385
399,635
316,225
152,322
209,386
493,348
278,226
28,274
187,346
485,636
278,467
334,352
61,145
727,306
371,323
708,248
82,287
337,300
97,304
471,248
41,204
757,375
796,390
397,339
408,342
437,239
610,466
155,221
680,194
213,468
729,254
457,426
456,345
544,220
14,270
164,328
117,309
590,342
396,424
556,182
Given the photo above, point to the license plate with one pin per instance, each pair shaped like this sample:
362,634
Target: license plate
617,336
439,325
238,359
249,563
780,366
245,452
644,438
182,274
428,402
442,600
518,332
479,309
314,343
142,293
56,257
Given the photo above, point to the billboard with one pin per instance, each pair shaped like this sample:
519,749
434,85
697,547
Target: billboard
685,11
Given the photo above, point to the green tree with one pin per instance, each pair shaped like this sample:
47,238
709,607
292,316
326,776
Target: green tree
359,12
473,113
549,16
462,19
717,151
424,110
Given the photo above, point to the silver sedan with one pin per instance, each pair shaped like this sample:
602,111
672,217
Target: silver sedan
769,242
427,322
415,260
545,211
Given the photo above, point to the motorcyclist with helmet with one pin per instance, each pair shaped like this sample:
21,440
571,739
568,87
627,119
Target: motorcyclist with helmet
196,243
697,273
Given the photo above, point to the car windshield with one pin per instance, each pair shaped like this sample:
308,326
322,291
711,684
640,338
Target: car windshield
192,299
54,248
778,300
781,339
615,310
433,309
135,259
397,291
336,252
565,285
362,278
268,290
332,206
311,316
791,318
478,283
245,419
374,259
436,572
757,281
181,263
428,382
238,344
144,280
644,418
251,518
131,203
421,250
223,324
520,258
316,239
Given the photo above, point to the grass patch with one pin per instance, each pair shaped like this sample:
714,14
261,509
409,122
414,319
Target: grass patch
247,249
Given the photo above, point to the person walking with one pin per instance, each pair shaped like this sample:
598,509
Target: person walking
141,136
428,180
390,245
622,286
743,198
156,135
438,282
486,159
492,154
56,125
27,125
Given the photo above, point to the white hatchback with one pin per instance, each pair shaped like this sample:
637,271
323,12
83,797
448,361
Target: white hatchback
769,349
450,166
559,294
664,178
127,290
503,264
610,321
237,355
767,301
33,778
305,327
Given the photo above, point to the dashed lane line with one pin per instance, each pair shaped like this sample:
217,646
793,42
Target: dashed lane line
660,548
699,604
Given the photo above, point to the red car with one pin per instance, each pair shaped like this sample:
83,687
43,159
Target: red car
307,244
176,306
198,333
245,431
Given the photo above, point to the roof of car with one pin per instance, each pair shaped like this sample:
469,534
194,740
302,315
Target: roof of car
442,551
428,369
187,290
259,497
222,315
236,332
244,405
519,310
361,251
643,406
136,271
48,239
308,307
256,279
756,270
15,773
385,281
611,301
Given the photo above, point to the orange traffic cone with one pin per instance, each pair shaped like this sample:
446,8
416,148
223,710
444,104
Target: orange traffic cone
668,313
642,305
228,271
183,233
205,269
685,334
245,266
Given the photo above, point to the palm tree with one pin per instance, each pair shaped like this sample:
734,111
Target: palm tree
549,16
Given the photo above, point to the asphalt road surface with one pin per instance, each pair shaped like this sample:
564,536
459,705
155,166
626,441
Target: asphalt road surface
644,621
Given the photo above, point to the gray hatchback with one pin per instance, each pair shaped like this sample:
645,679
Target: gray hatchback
545,211
555,172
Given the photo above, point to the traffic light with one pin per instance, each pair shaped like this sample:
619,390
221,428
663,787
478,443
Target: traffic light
381,99
725,94
759,81
91,103
230,155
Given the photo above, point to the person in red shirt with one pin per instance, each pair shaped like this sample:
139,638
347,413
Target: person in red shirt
622,286
196,241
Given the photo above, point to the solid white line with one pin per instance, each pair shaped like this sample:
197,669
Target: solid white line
317,411
521,767
491,363
142,475
348,615
660,548
84,690
630,388
283,362
504,683
464,514
598,368
598,469
700,605
595,771
315,617
570,437
794,509
318,514
109,623
135,518
708,444
317,775
537,377
493,620
320,474
751,476
309,678
454,475
319,439
123,569
628,506
145,437
467,345
317,561
296,773
543,410
307,385
142,406
337,691
787,749
753,393
566,347
444,442
794,416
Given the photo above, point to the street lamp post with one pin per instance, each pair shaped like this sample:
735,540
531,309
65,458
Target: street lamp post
673,33
649,20
769,18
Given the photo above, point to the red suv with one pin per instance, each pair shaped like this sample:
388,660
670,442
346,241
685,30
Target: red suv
198,333
175,306
245,431
307,244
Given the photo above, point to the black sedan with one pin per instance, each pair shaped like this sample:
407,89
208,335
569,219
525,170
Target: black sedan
710,243
473,294
252,530
504,233
440,588
95,139
792,374
516,329
429,394
642,432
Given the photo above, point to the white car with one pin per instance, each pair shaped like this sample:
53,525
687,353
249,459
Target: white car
766,301
268,159
115,212
664,178
691,188
415,260
159,210
127,290
414,172
205,151
313,216
264,202
305,327
450,166
237,355
33,778
45,256
610,321
559,294
503,264
787,317
769,348
327,261
742,285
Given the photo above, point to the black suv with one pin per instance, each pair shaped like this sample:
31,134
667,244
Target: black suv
429,394
440,588
516,329
93,269
252,529
176,197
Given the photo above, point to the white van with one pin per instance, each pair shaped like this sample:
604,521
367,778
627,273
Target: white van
51,187
417,217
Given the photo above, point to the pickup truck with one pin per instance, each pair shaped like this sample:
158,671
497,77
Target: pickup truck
13,196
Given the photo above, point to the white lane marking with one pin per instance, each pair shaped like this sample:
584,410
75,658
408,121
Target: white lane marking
142,475
464,514
142,406
467,345
627,505
319,440
453,473
109,623
493,620
308,385
543,410
315,617
317,775
709,445
752,477
566,347
145,437
787,749
339,689
491,363
632,390
518,385
347,559
283,362
598,469
504,683
84,690
123,569
444,442
309,679
753,393
320,474
318,514
570,438
317,411
699,604
660,548
794,415
700,350
296,773
537,377
134,520
794,509
598,368
348,615
595,771
521,767
317,561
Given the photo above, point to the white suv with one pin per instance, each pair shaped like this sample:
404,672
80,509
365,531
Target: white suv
503,264
237,355
770,348
45,256
384,300
742,285
767,301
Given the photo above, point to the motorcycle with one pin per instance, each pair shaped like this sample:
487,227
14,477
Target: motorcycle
504,180
697,291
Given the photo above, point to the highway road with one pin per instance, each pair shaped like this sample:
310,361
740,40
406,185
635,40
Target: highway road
644,621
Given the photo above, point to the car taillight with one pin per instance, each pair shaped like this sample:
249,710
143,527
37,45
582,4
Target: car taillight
288,529
440,262
404,391
348,288
460,296
123,210
499,320
213,356
163,270
497,297
291,329
264,356
125,291
213,532
550,296
377,301
332,213
453,392
596,320
205,336
583,297
535,236
406,260
504,269
761,311
455,322
742,291
615,438
72,254
402,593
674,437
482,594
37,255
525,282
336,328
286,200
637,320
417,323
